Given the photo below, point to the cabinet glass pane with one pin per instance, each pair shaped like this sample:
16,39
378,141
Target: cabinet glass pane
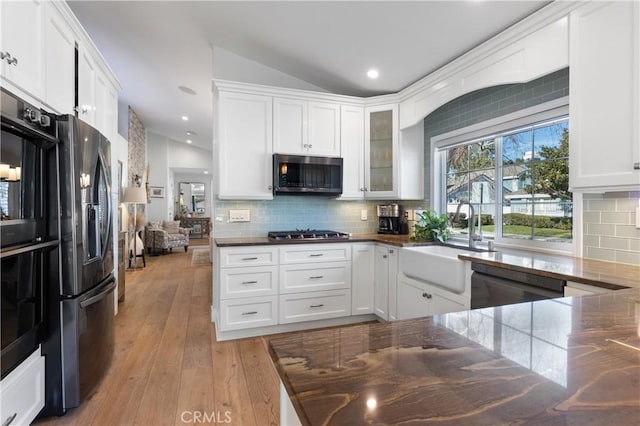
381,150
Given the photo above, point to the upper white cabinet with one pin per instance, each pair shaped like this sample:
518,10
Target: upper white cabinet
604,97
59,63
352,152
244,138
381,151
86,86
305,127
22,45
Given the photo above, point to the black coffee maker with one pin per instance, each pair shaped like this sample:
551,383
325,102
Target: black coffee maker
388,218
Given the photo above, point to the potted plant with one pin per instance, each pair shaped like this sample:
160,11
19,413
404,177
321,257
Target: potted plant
432,227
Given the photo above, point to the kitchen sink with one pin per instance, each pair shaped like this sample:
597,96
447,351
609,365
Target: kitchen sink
435,264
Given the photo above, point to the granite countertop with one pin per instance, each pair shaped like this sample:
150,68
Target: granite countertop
587,271
396,240
559,361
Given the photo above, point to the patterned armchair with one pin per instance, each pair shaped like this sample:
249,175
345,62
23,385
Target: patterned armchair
162,236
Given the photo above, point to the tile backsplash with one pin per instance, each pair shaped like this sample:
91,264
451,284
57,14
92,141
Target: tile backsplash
609,227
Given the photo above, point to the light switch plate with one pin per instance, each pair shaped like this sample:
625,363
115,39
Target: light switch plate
363,214
239,216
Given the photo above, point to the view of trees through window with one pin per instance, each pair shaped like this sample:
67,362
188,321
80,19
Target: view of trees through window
517,182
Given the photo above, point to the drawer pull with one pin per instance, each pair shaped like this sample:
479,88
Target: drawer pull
249,282
317,306
249,258
317,277
249,313
316,255
8,420
426,295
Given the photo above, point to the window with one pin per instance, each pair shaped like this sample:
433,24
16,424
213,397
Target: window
515,174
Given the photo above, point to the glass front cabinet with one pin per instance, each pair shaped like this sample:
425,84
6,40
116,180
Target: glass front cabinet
381,151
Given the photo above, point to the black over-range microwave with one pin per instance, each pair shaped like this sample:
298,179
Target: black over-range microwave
301,174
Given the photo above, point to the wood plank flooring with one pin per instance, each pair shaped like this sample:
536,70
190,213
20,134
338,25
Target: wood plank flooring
168,367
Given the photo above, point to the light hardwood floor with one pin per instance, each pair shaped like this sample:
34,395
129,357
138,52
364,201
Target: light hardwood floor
168,367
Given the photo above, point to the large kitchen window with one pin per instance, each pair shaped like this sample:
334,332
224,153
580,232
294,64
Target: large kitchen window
515,174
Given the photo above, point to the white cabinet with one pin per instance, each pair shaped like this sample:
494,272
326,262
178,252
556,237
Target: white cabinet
59,62
245,148
22,45
86,86
381,151
300,307
314,277
604,98
352,152
385,279
362,277
249,312
22,392
419,299
306,128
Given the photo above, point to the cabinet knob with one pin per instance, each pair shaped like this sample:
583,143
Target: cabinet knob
7,56
310,146
636,166
426,295
384,256
269,187
391,251
9,419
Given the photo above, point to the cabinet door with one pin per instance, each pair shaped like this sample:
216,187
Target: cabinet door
443,305
381,151
290,126
59,63
393,283
324,129
413,300
86,86
362,291
381,283
352,152
100,112
605,91
245,146
22,39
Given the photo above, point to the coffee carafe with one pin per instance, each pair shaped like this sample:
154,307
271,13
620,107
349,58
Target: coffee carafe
388,218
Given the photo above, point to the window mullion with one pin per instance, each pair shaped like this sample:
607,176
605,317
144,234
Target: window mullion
499,208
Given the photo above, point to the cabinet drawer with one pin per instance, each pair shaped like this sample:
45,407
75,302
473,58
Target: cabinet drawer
306,253
237,314
315,277
314,306
23,391
248,282
248,256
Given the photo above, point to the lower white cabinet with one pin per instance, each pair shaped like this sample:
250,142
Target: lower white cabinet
315,277
299,307
385,282
22,392
236,314
419,299
248,282
362,291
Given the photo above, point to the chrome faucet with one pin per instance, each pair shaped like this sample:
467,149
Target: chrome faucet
473,237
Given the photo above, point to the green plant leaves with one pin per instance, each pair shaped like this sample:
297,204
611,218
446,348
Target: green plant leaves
432,227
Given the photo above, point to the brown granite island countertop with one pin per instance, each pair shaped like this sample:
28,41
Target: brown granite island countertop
559,361
395,240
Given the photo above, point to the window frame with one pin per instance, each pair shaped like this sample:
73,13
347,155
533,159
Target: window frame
491,129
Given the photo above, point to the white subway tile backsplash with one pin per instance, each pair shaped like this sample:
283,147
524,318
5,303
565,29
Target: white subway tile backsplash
600,229
591,217
591,240
627,204
601,254
614,217
634,245
614,243
628,257
601,205
628,231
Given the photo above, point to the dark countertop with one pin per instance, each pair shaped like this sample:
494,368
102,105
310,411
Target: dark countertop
598,273
396,240
558,361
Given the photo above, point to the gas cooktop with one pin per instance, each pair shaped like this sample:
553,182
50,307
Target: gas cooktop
307,234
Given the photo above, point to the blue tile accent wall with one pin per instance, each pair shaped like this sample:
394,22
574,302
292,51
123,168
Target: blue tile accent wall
295,212
486,104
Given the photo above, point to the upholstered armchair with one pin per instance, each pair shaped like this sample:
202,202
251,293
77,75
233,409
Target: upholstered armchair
162,236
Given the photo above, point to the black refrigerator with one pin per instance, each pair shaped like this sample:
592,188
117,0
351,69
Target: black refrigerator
80,341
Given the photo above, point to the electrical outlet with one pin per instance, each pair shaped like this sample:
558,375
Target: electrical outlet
239,216
363,214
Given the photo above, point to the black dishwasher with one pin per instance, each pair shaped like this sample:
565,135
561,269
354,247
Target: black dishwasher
494,286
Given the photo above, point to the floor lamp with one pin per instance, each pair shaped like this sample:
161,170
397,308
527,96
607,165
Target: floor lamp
135,195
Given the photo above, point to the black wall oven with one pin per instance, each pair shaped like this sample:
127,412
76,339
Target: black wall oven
29,227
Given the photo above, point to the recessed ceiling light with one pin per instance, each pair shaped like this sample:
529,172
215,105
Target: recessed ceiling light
206,172
185,118
187,90
189,141
373,73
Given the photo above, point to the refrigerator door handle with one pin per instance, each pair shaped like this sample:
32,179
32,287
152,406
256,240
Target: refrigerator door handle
110,286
